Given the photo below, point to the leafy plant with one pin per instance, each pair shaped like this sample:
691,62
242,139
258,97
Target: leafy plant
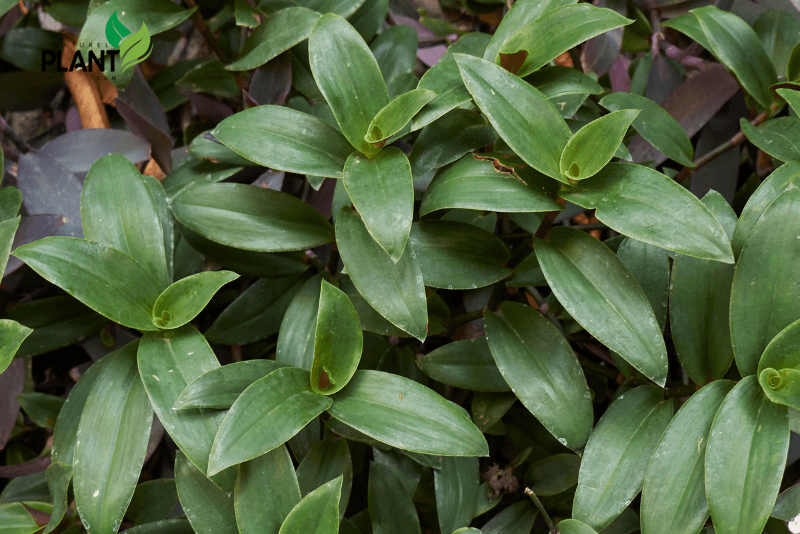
308,290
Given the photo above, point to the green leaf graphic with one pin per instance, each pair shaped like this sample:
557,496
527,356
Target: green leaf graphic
135,48
115,30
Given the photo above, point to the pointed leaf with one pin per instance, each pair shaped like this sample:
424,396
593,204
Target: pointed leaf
12,334
464,364
317,513
444,79
382,191
284,139
183,300
396,115
457,485
8,230
522,13
616,457
105,279
557,31
512,105
646,205
338,341
275,35
602,295
266,491
267,414
543,372
573,526
251,218
112,442
516,519
219,387
208,508
736,45
297,331
765,279
776,137
650,266
153,501
655,124
328,460
395,290
348,75
58,478
779,368
407,415
390,507
745,459
673,496
594,145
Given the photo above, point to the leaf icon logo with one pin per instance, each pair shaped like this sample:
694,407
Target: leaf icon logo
135,48
115,30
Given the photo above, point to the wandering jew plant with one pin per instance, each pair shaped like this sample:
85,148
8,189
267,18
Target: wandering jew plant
350,267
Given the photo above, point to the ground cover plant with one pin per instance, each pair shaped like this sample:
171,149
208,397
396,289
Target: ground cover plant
372,266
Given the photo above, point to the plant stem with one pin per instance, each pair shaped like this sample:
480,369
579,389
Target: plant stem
552,526
458,320
547,223
14,137
333,261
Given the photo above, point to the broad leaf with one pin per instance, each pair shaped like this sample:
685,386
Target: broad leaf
298,328
183,300
573,526
328,460
153,500
650,266
655,124
673,496
317,513
746,456
251,218
777,137
602,295
208,508
464,364
444,79
382,190
390,507
338,341
348,75
284,139
457,485
407,415
105,279
112,441
396,115
594,145
219,387
12,334
616,457
646,205
516,519
266,415
543,372
266,491
395,290
512,105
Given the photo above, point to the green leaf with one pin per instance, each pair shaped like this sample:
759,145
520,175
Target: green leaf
153,501
13,334
593,146
745,459
445,140
765,280
348,75
112,440
557,31
543,372
382,190
650,266
338,341
689,25
169,526
168,362
616,457
284,139
523,12
787,506
646,205
183,300
673,496
407,415
204,148
560,81
737,46
395,50
219,387
516,519
777,137
792,97
573,526
317,513
275,35
266,415
16,519
512,105
207,507
390,507
10,202
328,460
601,294
475,184
777,31
456,255
41,408
297,331
457,485
554,474
88,271
396,115
784,176
8,230
779,367
58,478
266,491
444,79
251,218
395,290
343,8
464,364
655,125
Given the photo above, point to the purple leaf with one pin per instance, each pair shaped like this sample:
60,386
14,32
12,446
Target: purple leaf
94,144
12,383
271,82
600,53
32,228
208,108
49,187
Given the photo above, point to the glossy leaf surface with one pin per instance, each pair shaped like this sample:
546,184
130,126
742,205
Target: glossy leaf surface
594,145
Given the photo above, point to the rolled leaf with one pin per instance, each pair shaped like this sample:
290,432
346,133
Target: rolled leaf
183,300
594,145
396,115
779,368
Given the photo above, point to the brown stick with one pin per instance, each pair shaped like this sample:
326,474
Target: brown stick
28,468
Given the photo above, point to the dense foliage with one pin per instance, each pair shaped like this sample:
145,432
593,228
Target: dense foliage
319,266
